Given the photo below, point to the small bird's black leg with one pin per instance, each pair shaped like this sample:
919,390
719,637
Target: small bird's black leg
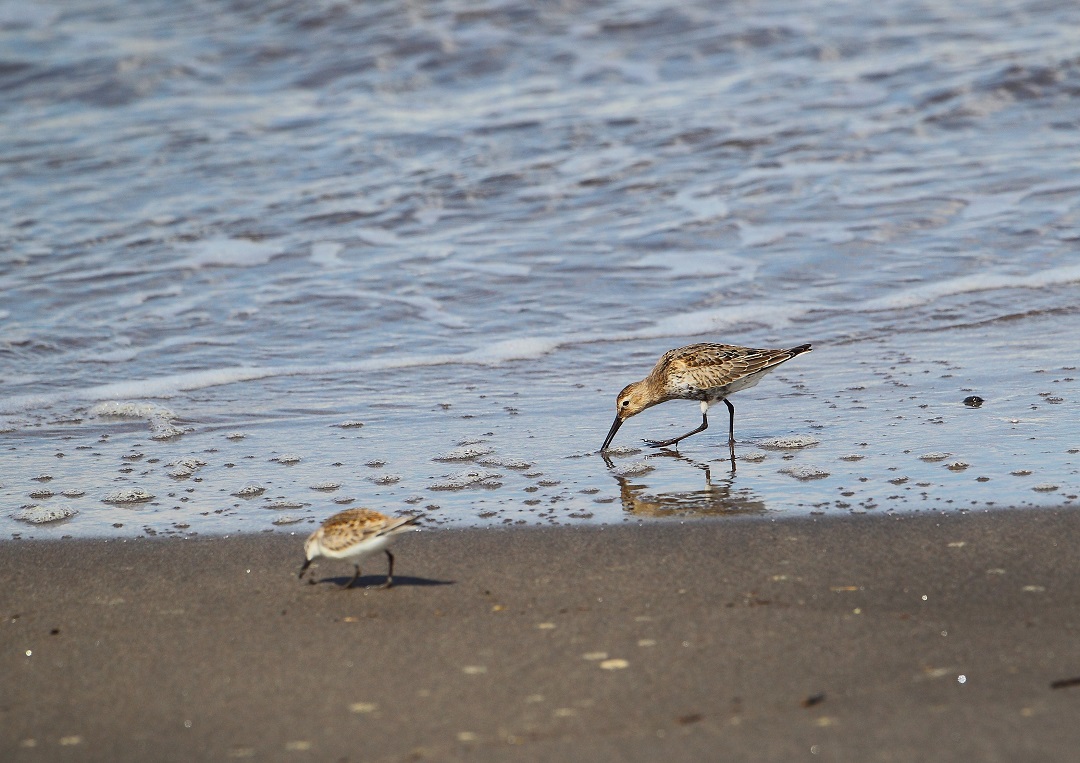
354,578
673,441
303,569
731,431
390,571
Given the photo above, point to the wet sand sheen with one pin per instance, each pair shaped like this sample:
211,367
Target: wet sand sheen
919,636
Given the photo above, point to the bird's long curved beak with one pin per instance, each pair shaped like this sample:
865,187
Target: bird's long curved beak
611,433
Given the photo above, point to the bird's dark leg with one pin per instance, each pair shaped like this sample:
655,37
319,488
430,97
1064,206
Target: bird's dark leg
674,440
731,431
303,569
390,571
354,577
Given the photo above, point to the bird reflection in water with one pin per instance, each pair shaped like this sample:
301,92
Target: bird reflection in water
714,499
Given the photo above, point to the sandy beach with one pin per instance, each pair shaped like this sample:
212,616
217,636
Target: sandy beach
870,638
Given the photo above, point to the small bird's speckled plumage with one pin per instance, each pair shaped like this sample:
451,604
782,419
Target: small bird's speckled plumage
353,534
705,372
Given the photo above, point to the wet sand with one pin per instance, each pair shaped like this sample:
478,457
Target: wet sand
869,638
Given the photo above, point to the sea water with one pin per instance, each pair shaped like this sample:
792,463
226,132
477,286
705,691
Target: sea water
263,261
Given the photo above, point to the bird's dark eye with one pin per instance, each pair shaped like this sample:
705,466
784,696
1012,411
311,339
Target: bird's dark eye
625,403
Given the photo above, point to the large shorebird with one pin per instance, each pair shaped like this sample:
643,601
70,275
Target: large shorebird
353,534
705,372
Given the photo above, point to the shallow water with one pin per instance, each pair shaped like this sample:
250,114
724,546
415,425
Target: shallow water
233,229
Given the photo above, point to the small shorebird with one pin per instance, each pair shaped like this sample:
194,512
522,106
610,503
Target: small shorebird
705,372
353,534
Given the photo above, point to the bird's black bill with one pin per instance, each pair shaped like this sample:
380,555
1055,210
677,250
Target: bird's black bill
303,569
611,433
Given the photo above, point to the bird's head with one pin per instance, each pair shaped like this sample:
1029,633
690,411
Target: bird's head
631,401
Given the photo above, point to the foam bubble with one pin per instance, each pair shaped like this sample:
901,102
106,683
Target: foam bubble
130,495
506,463
466,479
464,453
184,467
39,515
283,504
634,469
620,450
249,491
805,472
790,442
131,410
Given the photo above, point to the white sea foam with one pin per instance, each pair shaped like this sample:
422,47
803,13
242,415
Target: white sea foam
287,519
327,253
805,472
507,463
921,295
250,491
131,410
524,348
228,252
464,453
128,495
283,504
634,469
466,479
38,514
713,320
790,442
184,467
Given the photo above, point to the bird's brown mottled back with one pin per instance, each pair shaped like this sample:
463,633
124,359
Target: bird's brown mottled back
347,527
706,366
705,372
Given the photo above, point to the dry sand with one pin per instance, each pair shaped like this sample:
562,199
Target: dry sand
865,638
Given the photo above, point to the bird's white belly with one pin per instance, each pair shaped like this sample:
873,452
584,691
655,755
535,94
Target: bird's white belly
359,550
719,393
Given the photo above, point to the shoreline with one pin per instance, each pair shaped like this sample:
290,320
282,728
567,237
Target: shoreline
757,639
